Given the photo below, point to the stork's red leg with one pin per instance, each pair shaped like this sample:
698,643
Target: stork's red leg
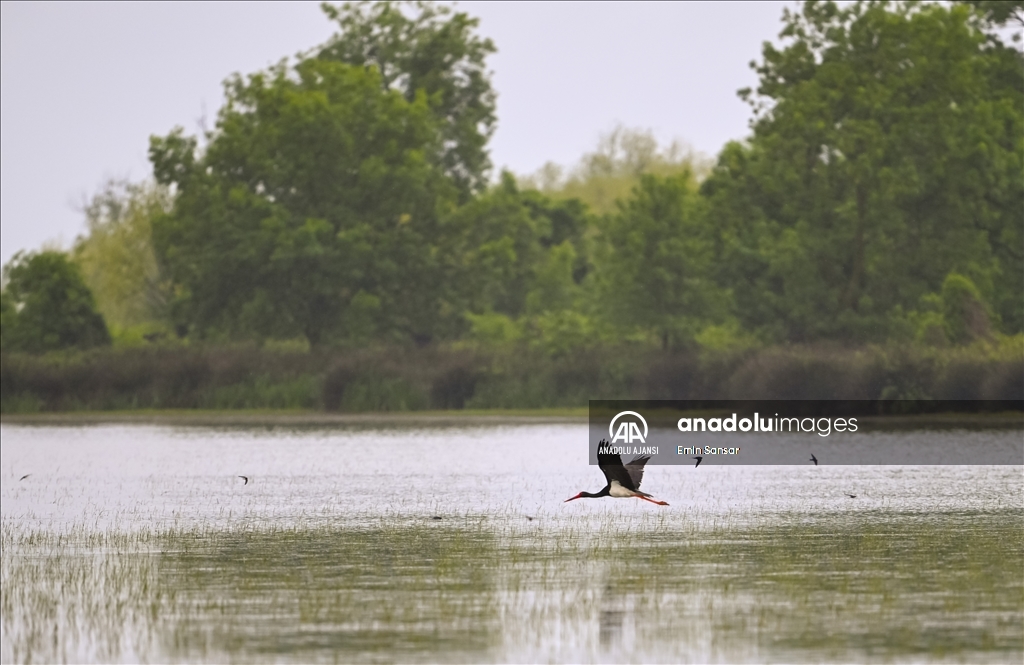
660,503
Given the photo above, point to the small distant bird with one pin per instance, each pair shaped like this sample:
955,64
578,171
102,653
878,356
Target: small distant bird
813,459
530,517
436,517
699,460
623,479
246,479
852,496
24,477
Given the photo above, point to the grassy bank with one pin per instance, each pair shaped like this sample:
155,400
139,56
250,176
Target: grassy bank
477,381
297,417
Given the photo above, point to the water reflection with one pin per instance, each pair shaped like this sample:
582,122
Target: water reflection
611,618
401,592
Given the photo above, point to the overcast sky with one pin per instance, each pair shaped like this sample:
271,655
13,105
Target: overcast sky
85,85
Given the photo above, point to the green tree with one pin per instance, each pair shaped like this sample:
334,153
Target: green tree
886,154
116,255
47,306
511,250
421,46
313,209
652,263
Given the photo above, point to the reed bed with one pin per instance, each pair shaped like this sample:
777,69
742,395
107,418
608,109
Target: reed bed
499,587
409,379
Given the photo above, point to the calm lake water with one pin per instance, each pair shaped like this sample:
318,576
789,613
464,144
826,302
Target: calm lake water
418,543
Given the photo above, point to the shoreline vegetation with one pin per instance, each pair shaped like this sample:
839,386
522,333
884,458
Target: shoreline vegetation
286,417
217,382
469,418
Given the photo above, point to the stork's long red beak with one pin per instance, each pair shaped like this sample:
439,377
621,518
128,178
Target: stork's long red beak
578,496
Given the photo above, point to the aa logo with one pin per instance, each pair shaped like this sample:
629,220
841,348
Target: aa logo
628,431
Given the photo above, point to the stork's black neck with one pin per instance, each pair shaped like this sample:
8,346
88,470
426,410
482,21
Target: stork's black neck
603,492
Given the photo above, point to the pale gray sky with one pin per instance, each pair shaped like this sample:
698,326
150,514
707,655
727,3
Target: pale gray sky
85,85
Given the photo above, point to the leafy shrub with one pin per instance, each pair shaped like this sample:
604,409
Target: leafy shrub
964,313
47,306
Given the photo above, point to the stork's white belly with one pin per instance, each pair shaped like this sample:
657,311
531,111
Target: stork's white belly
619,492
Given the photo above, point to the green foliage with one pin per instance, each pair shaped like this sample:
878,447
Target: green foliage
726,337
964,313
46,305
116,255
653,260
266,392
1000,12
556,287
927,322
957,315
886,154
8,314
493,329
145,334
313,209
419,46
609,174
515,252
562,332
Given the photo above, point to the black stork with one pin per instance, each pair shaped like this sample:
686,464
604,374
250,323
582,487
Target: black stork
623,479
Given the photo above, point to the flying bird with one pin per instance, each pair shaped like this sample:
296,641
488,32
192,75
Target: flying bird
699,460
852,496
246,479
623,479
24,477
813,459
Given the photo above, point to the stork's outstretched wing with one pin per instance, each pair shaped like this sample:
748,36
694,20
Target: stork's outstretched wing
629,475
611,465
635,468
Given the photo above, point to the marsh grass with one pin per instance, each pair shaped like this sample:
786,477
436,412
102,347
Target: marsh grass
499,587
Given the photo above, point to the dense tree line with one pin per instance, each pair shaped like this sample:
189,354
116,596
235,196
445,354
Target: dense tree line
342,198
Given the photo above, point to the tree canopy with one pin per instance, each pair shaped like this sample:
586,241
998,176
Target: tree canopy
312,209
47,306
653,262
886,154
116,254
423,47
315,206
